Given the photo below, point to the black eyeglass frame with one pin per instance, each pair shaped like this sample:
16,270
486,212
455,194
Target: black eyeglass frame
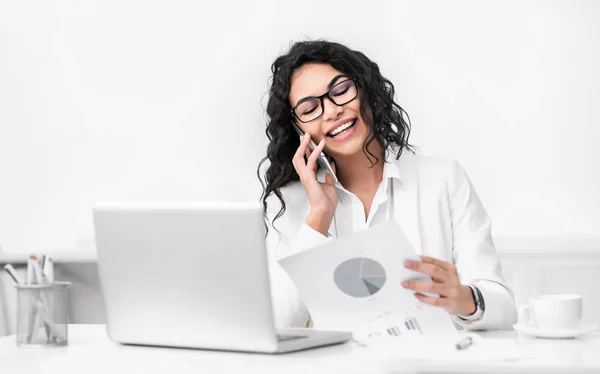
293,110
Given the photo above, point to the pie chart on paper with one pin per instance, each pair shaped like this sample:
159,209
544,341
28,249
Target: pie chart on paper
359,277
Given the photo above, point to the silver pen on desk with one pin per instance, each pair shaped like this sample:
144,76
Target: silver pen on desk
464,343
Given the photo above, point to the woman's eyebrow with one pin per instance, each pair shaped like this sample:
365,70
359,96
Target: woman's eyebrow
335,79
331,84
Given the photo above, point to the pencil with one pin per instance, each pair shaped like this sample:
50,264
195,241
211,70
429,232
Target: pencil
13,273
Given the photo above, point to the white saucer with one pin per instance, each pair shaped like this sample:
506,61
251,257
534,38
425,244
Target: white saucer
554,333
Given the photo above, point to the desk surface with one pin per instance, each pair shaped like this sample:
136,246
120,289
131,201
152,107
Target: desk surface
90,351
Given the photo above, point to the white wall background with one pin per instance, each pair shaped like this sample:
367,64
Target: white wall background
163,100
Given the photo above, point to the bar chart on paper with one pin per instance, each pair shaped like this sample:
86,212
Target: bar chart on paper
411,325
396,323
360,277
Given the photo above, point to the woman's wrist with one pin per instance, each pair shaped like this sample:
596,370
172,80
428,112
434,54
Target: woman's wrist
468,305
319,221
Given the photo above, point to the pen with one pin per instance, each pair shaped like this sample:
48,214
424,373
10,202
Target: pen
13,273
43,302
37,271
40,309
48,269
30,272
48,272
464,343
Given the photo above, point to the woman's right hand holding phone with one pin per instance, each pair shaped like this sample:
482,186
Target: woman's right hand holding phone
322,197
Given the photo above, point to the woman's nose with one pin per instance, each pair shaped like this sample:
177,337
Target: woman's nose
330,110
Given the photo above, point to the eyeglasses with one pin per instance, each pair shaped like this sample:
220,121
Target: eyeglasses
311,108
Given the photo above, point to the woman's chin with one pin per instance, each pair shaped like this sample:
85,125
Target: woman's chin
349,149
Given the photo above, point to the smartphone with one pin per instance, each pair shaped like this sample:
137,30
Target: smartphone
322,160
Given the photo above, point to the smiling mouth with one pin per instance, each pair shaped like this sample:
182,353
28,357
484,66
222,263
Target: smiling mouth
340,130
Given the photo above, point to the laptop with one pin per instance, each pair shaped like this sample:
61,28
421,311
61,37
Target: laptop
192,275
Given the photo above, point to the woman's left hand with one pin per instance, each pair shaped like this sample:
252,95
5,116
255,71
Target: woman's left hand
455,298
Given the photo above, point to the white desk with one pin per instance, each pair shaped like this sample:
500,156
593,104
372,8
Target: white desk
90,351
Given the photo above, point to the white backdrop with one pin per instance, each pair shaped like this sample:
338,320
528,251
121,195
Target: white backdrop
164,100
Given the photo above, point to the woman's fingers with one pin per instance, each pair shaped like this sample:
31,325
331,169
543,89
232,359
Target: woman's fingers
434,271
443,264
300,150
304,166
454,297
298,159
434,301
430,287
312,159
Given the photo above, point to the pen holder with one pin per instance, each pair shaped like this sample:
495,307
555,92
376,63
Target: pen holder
43,314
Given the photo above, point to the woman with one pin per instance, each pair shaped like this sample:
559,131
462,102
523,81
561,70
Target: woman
340,100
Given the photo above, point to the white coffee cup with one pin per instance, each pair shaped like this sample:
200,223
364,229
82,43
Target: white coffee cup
561,311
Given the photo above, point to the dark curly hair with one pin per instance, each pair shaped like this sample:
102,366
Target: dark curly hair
383,117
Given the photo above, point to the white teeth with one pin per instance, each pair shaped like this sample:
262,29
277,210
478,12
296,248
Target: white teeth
341,128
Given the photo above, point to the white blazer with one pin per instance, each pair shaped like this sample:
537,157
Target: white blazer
438,211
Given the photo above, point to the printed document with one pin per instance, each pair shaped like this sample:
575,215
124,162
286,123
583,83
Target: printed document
353,284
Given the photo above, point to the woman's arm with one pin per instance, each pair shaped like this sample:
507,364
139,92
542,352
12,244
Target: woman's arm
290,235
475,256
